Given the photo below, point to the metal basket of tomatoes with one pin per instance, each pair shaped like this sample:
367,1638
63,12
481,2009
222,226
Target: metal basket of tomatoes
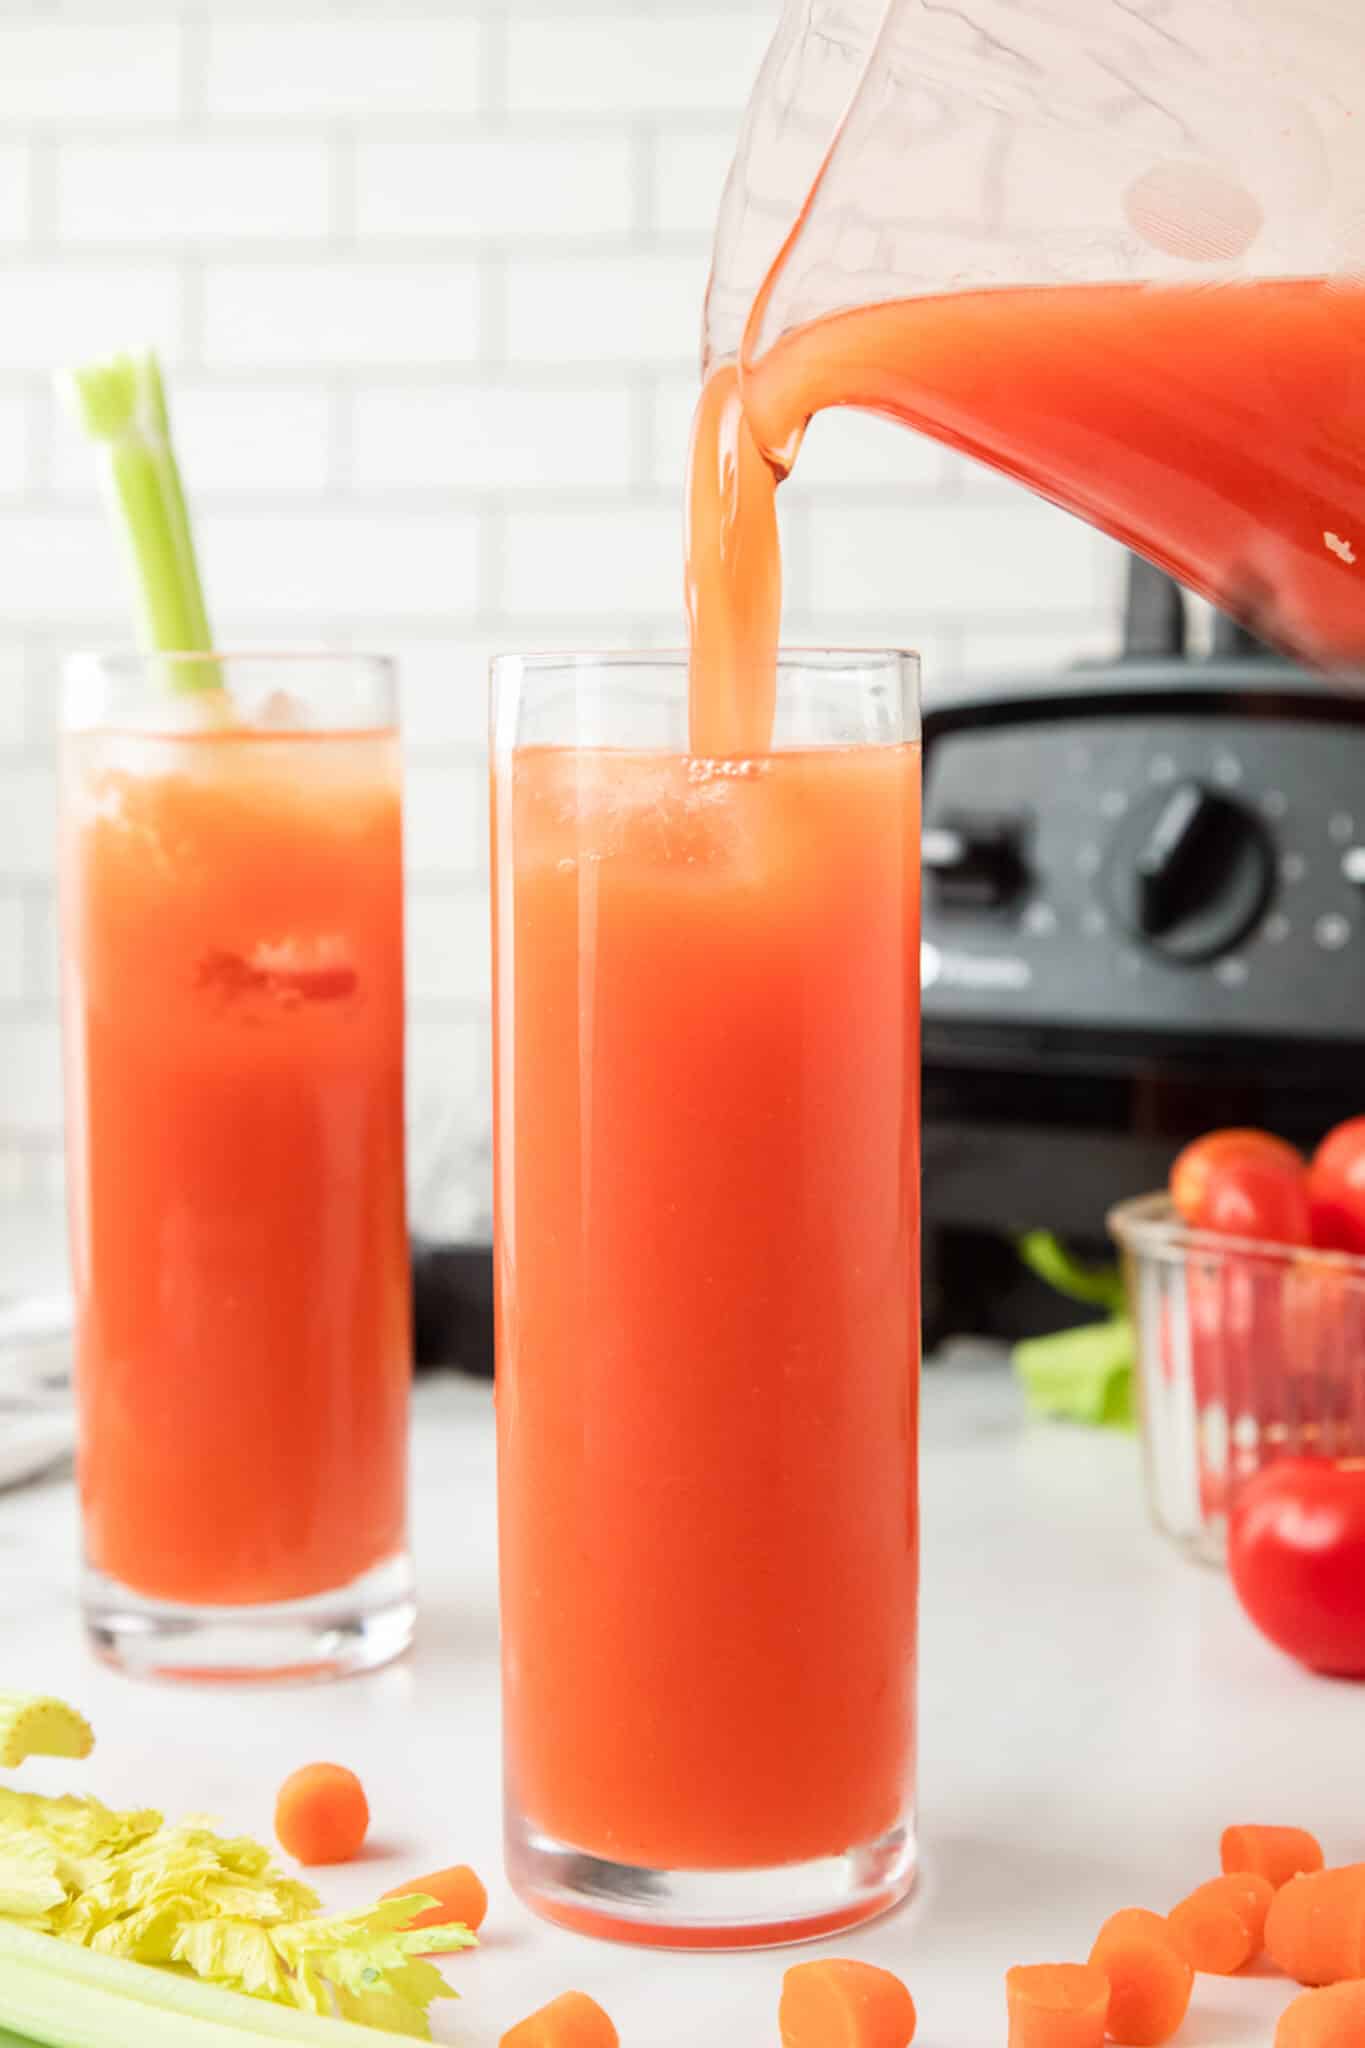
1246,1288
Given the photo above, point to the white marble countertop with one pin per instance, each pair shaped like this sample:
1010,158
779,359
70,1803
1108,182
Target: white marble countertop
1094,1711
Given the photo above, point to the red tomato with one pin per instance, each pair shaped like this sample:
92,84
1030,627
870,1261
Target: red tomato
1336,1189
1197,1164
1296,1551
1243,1184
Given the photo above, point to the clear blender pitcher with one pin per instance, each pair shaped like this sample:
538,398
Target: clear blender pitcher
1114,247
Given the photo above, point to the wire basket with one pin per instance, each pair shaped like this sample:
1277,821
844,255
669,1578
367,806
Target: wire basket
1246,1352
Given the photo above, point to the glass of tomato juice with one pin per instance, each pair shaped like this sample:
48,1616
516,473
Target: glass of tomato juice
232,993
707,1222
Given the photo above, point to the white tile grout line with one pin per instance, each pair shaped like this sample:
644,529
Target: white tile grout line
194,67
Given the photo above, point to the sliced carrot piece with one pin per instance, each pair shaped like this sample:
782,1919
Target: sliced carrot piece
834,2003
1150,1978
1276,1853
1315,1929
1221,1925
573,2020
1056,2005
321,1814
1334,2018
459,1896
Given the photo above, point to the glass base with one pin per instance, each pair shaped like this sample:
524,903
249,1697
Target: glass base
331,1635
708,1908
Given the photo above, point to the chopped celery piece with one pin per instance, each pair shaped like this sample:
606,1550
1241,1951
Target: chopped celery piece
62,1996
121,404
83,1886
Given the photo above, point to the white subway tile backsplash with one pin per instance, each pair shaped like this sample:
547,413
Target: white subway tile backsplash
689,172
633,62
509,434
58,568
445,681
444,684
1033,647
338,315
15,184
497,186
14,442
54,312
635,310
953,558
428,283
335,563
443,817
674,402
13,949
13,706
193,189
448,946
448,1070
30,1078
255,437
388,64
42,957
28,804
85,71
852,450
593,561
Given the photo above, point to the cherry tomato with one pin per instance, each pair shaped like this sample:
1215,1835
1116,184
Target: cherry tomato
1194,1166
1243,1184
1296,1552
1336,1189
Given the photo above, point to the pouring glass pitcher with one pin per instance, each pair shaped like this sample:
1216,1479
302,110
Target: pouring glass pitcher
1114,247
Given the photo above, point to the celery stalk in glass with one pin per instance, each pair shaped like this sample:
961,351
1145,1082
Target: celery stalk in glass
121,404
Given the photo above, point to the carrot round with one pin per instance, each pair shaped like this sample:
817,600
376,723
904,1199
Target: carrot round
1221,1925
1150,1978
459,1896
1056,2005
321,1814
1334,2018
573,2020
1315,1929
833,2003
1276,1853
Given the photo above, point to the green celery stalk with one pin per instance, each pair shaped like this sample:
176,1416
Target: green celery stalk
121,404
60,1995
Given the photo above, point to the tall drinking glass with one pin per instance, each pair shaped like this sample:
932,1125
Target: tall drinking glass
707,1202
231,882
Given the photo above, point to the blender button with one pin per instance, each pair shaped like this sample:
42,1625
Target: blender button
1332,931
1227,770
1114,803
1277,928
1161,768
1293,867
1232,972
1041,919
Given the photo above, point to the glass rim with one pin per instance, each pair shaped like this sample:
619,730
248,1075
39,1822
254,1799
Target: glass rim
1150,1227
127,689
830,659
528,685
118,660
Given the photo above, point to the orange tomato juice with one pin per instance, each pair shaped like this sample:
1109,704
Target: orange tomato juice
706,1102
233,998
